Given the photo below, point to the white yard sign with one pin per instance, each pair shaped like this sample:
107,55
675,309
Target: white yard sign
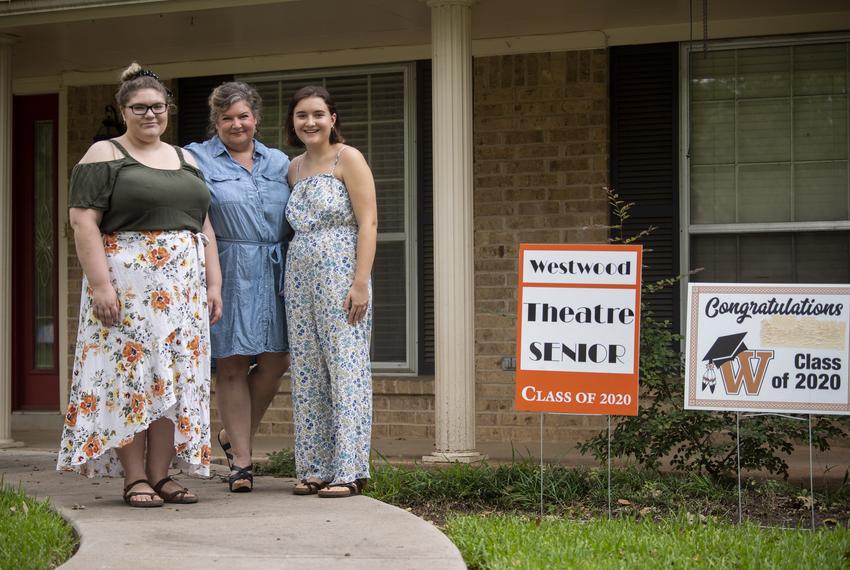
768,348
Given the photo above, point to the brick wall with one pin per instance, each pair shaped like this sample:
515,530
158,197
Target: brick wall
541,164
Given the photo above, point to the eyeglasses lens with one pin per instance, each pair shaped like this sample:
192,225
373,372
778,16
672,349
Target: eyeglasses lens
157,108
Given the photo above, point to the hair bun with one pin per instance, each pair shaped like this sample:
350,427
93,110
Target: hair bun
131,72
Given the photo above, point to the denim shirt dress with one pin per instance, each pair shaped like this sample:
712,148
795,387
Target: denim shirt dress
247,213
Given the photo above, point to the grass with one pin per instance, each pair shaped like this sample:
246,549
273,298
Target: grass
32,534
511,541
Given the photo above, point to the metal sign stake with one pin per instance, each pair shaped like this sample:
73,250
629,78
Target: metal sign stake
738,439
811,473
811,460
609,466
541,465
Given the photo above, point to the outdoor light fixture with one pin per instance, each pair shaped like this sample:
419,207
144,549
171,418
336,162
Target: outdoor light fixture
110,127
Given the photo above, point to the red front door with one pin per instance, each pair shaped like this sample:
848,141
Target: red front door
35,319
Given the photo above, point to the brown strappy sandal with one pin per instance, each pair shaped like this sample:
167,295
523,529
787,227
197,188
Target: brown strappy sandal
307,487
343,490
180,496
156,500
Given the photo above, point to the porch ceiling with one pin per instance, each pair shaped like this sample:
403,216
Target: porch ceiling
99,39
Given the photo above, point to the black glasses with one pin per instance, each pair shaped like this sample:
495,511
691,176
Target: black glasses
156,108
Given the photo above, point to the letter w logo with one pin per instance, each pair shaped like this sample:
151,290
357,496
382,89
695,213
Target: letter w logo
745,375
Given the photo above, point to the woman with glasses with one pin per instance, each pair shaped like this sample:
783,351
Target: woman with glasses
151,288
249,190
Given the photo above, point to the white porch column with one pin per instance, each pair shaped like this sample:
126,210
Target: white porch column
6,440
453,254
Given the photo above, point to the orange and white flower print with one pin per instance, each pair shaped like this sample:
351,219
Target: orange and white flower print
71,415
132,352
158,386
110,244
154,363
160,300
158,256
184,424
88,405
92,446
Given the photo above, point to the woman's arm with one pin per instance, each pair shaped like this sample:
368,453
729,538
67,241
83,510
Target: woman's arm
213,273
89,243
213,267
357,176
86,225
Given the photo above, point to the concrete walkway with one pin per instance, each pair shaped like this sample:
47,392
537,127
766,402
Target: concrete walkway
268,528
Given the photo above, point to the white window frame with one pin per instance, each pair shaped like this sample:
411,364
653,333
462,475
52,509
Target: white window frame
686,229
409,365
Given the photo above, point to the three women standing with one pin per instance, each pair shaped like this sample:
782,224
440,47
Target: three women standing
151,288
328,299
249,190
153,285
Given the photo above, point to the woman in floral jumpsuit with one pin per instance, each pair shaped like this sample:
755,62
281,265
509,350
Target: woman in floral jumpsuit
328,292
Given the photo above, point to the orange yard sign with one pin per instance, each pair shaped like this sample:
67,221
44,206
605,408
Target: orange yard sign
578,329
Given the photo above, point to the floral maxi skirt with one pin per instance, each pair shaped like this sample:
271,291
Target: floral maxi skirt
153,363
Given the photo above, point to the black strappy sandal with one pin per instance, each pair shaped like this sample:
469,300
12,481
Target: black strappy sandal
180,496
241,474
155,499
307,487
225,447
342,490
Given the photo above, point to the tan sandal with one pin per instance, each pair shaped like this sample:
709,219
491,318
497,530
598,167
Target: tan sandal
343,490
307,487
155,499
180,496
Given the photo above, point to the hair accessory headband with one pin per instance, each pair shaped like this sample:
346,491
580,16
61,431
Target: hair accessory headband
149,73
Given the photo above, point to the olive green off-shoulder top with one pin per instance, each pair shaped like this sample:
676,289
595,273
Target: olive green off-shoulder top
135,197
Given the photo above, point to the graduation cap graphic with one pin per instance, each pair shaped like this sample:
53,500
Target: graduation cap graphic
724,349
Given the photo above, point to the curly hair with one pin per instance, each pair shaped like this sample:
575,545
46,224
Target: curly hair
229,93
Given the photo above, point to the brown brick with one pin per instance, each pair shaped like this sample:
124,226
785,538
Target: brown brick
569,164
489,279
525,194
535,180
523,137
489,222
494,209
528,165
532,208
483,167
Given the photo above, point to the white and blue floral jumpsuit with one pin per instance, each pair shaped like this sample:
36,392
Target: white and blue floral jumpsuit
331,372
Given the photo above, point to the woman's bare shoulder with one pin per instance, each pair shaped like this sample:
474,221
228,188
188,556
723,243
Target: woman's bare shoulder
101,151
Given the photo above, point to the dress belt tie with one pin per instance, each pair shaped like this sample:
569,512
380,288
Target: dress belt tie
276,253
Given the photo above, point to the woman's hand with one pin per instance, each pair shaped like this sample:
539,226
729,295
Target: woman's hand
214,303
356,302
105,304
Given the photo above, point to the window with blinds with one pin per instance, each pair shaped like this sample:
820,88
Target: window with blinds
768,171
375,110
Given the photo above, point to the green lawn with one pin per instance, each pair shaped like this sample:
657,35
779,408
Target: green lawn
32,535
510,541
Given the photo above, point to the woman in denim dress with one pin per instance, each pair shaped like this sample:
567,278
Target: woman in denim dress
249,190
